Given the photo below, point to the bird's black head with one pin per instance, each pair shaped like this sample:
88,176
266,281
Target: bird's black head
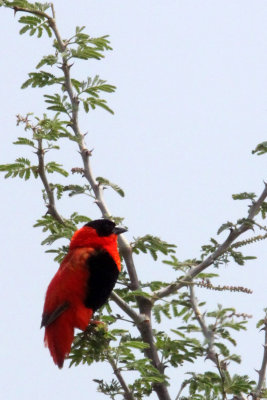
105,227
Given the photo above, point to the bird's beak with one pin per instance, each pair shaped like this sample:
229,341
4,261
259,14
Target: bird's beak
119,229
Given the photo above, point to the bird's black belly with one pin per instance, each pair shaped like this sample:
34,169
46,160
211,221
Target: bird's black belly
103,274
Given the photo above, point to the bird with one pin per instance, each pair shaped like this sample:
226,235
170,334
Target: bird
82,284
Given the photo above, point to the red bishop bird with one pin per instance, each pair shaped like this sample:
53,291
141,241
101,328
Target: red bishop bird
82,284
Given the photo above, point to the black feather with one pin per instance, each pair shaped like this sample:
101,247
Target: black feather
103,274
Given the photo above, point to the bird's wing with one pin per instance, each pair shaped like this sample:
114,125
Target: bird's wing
48,318
68,287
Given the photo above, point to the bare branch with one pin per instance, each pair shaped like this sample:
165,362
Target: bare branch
234,234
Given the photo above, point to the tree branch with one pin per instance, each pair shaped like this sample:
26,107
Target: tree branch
29,10
124,245
234,234
184,384
50,194
144,326
208,333
136,317
262,371
128,395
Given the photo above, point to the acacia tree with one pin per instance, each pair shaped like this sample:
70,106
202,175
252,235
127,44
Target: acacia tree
145,347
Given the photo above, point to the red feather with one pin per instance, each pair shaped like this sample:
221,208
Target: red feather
64,308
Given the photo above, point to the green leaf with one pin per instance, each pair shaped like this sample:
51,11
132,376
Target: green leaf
227,225
52,167
153,245
21,168
244,196
77,189
24,141
95,102
260,149
105,182
30,19
85,106
59,103
223,349
85,53
136,344
24,29
47,60
260,323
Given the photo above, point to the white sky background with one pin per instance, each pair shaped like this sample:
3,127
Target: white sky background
191,104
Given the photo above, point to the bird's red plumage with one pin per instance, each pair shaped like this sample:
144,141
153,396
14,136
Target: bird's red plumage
64,307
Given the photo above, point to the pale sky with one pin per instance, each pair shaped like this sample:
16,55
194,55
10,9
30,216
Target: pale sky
190,106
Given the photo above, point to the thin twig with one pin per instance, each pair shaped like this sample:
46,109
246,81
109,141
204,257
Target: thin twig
222,377
50,194
143,323
262,371
128,395
32,11
184,384
234,234
208,333
136,317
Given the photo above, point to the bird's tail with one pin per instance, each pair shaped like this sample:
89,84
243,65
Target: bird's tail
60,333
58,338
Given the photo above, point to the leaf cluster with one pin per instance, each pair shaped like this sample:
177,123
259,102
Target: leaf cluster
153,245
57,231
260,149
21,168
88,47
238,257
106,183
208,386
